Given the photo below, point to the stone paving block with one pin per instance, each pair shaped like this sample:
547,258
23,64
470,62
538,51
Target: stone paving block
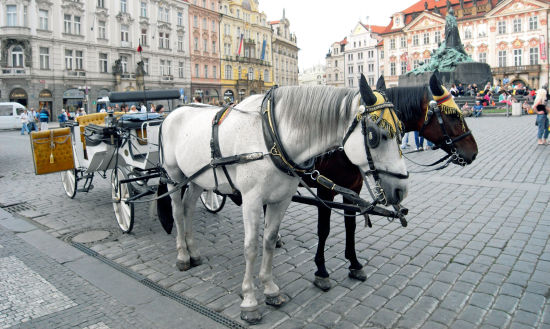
443,316
359,315
525,318
472,314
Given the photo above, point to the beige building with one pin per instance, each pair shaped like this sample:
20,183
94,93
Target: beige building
511,36
61,53
313,76
285,53
335,64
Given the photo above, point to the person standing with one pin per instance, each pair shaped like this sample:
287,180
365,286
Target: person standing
31,117
419,141
539,106
405,141
25,123
44,118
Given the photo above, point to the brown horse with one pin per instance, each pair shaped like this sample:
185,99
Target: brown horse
411,104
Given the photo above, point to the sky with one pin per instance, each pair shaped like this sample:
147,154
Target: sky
319,23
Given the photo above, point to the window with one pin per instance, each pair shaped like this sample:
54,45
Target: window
403,42
467,32
518,54
180,42
437,37
206,71
381,54
250,73
226,29
416,63
43,14
197,70
403,67
101,29
44,58
533,23
68,59
205,45
415,40
169,67
204,25
162,66
146,65
213,25
11,15
392,43
501,27
143,9
360,56
67,27
227,49
426,38
213,47
103,62
517,25
228,72
77,25
144,37
180,19
101,3
180,69
124,33
336,76
483,57
215,72
350,69
195,21
17,56
266,75
124,62
196,43
164,40
79,60
164,14
533,56
371,67
123,6
502,58
359,68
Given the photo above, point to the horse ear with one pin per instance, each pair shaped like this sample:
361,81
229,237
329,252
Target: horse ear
366,93
381,84
435,84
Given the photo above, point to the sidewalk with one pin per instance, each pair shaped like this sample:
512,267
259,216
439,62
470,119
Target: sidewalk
46,283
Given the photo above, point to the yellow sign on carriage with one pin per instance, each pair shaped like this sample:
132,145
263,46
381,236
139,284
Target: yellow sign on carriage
52,151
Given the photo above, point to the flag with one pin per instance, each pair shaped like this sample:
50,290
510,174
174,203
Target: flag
240,45
139,49
263,50
542,48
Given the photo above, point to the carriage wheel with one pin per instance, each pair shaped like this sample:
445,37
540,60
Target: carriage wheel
212,202
69,181
124,212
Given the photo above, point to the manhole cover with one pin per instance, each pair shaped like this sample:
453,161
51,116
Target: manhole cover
91,236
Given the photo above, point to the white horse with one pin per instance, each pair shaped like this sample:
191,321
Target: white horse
311,121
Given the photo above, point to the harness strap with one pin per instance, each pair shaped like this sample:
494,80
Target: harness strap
215,144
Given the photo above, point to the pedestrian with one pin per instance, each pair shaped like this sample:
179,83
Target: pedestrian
419,141
32,117
25,123
63,117
44,118
478,108
405,141
539,106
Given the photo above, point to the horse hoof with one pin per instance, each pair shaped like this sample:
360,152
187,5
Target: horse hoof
277,300
322,283
251,317
279,243
357,274
196,261
183,266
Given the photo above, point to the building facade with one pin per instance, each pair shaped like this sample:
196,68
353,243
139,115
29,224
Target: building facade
247,50
335,64
285,53
361,55
68,53
313,76
511,36
204,24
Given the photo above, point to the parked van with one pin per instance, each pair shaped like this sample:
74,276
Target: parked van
10,115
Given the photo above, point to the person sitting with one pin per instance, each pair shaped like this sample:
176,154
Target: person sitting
525,107
159,109
478,108
454,90
133,109
466,110
505,98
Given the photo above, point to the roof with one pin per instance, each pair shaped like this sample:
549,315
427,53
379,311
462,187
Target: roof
377,28
274,22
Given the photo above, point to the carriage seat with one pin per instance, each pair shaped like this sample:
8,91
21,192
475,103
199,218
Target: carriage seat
135,121
94,118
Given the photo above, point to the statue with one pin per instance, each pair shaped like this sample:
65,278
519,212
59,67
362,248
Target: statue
140,69
452,38
117,68
425,5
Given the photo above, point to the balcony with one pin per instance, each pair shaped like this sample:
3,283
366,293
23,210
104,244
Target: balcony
14,71
75,74
15,31
516,69
242,59
126,44
166,78
128,76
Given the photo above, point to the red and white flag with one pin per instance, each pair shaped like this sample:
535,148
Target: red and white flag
542,47
240,45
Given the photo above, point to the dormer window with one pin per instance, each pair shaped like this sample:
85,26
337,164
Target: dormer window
397,21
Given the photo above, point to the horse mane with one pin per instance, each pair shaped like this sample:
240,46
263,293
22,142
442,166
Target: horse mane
407,101
313,112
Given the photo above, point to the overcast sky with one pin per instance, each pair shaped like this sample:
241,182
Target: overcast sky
318,23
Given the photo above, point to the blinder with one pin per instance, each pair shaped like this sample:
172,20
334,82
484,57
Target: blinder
373,137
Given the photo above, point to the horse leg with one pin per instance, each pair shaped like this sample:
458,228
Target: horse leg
183,262
323,229
273,218
190,198
355,268
252,215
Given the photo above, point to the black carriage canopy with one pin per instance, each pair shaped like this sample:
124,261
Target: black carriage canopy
149,95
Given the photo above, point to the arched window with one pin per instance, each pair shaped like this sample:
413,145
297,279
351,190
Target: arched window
250,73
17,56
228,72
266,75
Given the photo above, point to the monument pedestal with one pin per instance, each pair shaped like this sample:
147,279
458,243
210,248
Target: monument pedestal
465,73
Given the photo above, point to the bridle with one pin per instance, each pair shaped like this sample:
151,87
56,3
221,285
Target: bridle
371,139
434,107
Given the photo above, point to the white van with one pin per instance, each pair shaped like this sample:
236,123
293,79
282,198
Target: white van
10,115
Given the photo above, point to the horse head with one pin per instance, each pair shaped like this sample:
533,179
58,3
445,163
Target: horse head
455,137
374,146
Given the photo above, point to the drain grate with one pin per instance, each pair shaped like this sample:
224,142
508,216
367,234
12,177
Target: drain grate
219,318
18,207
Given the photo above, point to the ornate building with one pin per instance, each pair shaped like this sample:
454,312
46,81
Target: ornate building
247,59
361,54
204,41
335,64
69,53
511,36
285,53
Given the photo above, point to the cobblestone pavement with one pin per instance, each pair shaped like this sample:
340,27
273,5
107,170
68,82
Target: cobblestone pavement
476,252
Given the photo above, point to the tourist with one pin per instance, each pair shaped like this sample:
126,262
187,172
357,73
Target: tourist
466,110
25,123
133,109
44,117
478,108
159,109
198,99
405,141
63,117
453,90
143,109
525,107
539,106
419,141
460,90
32,117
